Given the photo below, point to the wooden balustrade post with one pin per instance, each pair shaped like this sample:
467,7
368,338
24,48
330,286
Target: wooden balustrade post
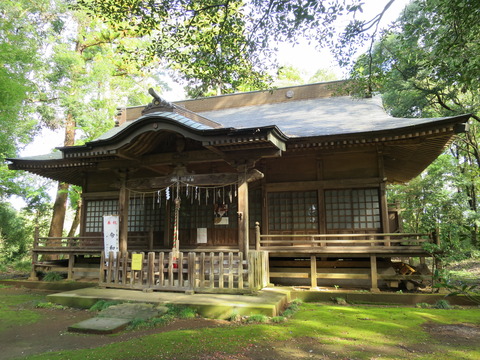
313,271
257,236
71,263
373,274
191,271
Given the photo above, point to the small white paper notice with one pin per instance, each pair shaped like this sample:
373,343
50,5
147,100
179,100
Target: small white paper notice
201,235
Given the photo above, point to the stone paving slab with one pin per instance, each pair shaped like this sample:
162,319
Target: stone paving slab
269,301
115,318
131,311
98,325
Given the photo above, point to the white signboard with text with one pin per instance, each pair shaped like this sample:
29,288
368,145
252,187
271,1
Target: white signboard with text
110,233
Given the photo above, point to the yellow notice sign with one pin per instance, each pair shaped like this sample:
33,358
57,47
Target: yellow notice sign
137,260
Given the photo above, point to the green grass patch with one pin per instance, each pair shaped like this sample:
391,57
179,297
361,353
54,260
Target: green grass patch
104,304
52,276
49,305
181,312
359,332
174,312
18,309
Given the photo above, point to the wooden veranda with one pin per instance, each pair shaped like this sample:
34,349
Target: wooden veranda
287,256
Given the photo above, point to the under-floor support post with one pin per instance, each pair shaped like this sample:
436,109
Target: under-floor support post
313,271
373,274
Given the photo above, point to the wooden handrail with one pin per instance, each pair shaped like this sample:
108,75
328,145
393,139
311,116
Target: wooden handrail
395,240
346,235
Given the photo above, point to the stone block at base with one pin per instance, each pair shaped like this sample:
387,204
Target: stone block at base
99,325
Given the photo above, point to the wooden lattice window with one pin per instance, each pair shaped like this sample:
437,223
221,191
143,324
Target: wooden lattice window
95,209
292,211
201,214
352,209
142,214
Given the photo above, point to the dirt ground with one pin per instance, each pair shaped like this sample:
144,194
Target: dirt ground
52,335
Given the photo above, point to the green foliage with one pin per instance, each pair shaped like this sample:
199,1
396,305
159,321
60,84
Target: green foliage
181,311
257,318
423,306
442,304
444,280
174,312
437,201
339,300
278,319
104,304
15,234
221,46
426,66
49,305
52,276
292,308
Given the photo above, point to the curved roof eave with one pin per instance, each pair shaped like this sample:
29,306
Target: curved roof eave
413,128
167,121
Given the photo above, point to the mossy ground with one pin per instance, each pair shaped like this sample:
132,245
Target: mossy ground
316,331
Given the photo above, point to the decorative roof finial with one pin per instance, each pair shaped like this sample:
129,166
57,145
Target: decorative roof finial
157,104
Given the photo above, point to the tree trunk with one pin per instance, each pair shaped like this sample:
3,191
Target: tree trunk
60,205
59,210
76,220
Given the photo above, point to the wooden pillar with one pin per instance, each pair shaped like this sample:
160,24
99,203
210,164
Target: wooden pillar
385,218
257,236
373,274
123,200
383,197
313,271
243,226
71,264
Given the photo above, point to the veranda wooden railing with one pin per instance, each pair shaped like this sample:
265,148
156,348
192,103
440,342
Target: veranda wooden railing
87,243
386,243
201,272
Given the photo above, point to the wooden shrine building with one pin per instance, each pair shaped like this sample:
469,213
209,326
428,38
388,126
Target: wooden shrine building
231,192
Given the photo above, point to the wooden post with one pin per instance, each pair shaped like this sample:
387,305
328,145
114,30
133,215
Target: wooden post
33,272
151,269
257,236
71,262
384,213
124,197
373,274
243,226
191,271
313,271
221,271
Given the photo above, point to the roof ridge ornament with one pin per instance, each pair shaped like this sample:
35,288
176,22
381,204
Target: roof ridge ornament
158,103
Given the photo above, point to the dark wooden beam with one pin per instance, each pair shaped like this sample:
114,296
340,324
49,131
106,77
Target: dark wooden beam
193,180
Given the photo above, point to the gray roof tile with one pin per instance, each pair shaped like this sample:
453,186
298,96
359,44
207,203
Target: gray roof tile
315,117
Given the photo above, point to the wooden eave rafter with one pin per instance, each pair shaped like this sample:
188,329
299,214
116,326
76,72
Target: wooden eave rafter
142,133
131,149
62,170
406,151
366,139
217,179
